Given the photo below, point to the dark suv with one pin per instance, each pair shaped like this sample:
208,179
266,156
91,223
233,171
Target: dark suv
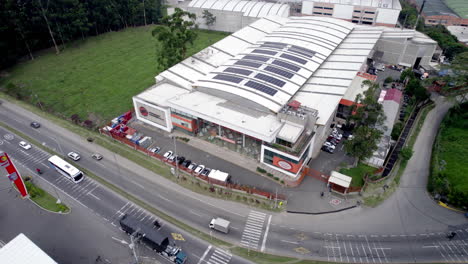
35,125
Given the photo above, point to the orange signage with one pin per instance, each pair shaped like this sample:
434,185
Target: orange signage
286,165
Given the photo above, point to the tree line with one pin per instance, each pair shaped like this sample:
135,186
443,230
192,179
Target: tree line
27,26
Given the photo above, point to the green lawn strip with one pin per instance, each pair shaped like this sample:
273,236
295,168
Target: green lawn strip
419,123
358,173
263,258
44,199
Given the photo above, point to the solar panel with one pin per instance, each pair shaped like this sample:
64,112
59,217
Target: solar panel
300,53
303,49
275,43
268,52
279,72
239,71
257,58
228,78
261,87
271,46
286,65
293,58
270,79
248,63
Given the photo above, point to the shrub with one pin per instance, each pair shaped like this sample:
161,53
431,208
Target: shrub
88,123
269,175
75,118
406,153
396,131
276,178
33,190
282,181
388,79
261,170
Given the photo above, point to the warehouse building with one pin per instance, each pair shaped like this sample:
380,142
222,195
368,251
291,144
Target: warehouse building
270,90
367,12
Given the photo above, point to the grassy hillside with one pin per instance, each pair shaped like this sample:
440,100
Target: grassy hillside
449,175
458,6
95,78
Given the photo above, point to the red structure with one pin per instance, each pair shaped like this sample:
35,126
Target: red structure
13,174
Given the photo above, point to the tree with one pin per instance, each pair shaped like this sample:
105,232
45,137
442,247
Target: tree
396,131
174,35
406,153
368,117
415,88
43,9
364,142
210,19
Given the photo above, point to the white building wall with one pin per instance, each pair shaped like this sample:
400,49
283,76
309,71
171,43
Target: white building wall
387,16
164,111
343,11
227,21
307,7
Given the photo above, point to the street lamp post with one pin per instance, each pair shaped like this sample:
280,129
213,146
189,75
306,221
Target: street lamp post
175,160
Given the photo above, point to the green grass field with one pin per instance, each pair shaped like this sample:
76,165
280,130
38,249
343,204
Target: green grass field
450,156
458,6
95,78
358,173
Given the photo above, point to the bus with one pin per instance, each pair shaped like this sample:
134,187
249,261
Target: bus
66,169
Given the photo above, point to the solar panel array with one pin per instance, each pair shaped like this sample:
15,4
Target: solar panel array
228,78
267,52
279,44
293,58
270,79
261,87
286,65
239,71
300,52
279,72
257,58
311,52
248,63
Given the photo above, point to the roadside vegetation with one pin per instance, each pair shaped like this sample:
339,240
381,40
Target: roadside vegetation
358,173
43,198
448,176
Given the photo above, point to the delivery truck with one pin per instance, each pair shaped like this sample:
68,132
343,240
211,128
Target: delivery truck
219,175
153,238
220,224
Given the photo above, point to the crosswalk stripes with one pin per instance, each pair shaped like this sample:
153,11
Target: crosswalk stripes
253,229
219,256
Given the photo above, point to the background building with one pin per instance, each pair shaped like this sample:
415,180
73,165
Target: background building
368,12
270,90
436,12
232,15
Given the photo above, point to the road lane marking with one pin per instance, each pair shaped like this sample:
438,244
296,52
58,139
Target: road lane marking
94,196
290,242
193,212
204,254
430,246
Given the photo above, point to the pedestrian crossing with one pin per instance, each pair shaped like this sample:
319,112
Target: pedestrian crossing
253,229
219,256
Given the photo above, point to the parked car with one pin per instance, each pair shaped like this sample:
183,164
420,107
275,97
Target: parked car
206,171
347,134
327,149
167,154
199,169
180,159
35,124
97,156
328,144
172,158
155,150
186,163
74,156
25,145
192,166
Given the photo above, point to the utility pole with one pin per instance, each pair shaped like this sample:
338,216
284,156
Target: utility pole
132,244
175,153
419,14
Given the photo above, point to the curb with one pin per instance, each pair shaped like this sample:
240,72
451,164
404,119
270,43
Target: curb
319,213
48,209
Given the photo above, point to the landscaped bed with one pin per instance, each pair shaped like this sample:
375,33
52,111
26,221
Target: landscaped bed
44,199
358,173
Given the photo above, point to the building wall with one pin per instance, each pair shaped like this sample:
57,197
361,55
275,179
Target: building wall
153,115
226,21
445,20
356,14
396,51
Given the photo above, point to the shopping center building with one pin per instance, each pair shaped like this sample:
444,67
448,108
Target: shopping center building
272,89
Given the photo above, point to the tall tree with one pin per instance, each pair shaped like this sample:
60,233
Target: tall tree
210,19
174,36
368,117
43,9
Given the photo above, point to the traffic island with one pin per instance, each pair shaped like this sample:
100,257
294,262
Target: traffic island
44,200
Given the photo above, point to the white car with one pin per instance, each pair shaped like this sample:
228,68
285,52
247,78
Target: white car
199,169
74,156
155,150
192,166
25,145
167,154
330,145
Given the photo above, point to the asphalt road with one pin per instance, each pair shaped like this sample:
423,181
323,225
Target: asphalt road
408,227
103,204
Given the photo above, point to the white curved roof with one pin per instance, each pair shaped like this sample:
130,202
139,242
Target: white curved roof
273,69
249,8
